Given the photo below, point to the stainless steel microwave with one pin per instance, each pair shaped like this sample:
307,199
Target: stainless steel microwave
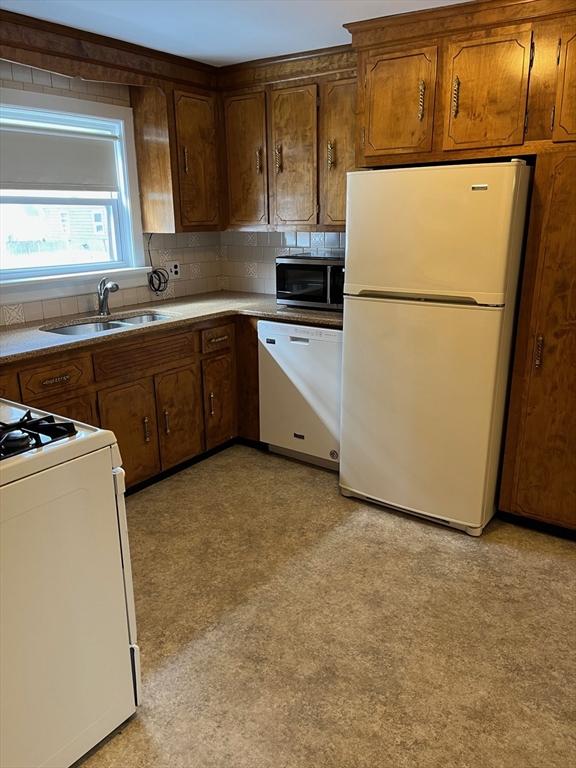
305,280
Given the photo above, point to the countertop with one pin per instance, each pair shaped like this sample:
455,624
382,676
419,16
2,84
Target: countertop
28,341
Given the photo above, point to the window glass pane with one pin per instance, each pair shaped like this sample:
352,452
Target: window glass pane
43,234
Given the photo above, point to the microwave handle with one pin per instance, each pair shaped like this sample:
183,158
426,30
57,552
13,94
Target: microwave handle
329,284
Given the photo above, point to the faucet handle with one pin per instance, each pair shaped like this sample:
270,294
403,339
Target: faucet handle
112,287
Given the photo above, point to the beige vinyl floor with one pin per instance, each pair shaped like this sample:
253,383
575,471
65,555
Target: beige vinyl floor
284,626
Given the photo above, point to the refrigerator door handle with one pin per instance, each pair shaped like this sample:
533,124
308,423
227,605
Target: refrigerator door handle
430,297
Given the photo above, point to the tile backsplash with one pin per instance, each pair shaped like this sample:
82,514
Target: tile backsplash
210,261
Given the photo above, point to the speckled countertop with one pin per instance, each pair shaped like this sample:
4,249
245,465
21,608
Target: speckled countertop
28,341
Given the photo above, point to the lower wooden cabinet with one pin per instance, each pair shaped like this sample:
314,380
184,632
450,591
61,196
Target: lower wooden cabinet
219,386
539,475
129,410
82,408
179,411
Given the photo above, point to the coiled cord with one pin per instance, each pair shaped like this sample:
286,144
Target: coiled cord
158,277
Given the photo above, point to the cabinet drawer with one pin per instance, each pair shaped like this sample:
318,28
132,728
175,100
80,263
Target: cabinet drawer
220,337
144,355
56,377
9,388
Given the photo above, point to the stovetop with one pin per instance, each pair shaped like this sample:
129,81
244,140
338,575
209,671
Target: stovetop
31,432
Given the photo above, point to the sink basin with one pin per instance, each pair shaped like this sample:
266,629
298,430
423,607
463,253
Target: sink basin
86,329
148,317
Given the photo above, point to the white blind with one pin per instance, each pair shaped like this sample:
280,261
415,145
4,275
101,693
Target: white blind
56,160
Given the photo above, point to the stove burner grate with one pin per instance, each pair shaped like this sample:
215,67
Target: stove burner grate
32,432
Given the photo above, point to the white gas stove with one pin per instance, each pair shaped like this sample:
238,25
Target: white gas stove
69,662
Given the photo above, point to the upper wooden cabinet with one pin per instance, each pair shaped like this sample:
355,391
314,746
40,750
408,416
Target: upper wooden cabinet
564,119
486,88
293,166
245,119
337,128
197,158
398,90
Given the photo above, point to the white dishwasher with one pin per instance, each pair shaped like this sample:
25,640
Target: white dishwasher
300,370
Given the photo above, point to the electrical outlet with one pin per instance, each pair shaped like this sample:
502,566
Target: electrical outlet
173,268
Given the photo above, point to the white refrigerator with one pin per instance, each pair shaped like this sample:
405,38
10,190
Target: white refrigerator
432,261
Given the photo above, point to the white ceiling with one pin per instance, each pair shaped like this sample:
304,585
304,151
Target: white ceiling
219,31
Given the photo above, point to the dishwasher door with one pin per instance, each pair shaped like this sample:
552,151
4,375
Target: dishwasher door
300,370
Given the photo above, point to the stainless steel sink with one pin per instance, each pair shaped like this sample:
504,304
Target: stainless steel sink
148,317
91,327
86,329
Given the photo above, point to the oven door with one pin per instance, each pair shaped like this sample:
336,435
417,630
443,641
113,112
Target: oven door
302,282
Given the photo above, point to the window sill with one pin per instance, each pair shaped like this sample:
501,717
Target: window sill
60,286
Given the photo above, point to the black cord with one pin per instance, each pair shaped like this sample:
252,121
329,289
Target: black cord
158,277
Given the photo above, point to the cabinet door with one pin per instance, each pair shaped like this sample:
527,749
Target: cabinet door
398,102
486,87
219,399
179,409
294,146
565,108
539,478
246,150
79,408
337,128
129,410
197,159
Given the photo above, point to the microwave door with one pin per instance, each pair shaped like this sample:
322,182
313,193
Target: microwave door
302,283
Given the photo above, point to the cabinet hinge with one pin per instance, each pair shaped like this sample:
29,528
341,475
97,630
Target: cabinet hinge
532,52
526,122
558,50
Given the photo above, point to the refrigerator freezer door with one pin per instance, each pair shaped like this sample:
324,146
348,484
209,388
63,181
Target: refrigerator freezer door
422,405
453,231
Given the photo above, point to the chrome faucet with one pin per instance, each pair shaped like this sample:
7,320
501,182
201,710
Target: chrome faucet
105,287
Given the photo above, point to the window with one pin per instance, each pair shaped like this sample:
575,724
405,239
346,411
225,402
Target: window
65,198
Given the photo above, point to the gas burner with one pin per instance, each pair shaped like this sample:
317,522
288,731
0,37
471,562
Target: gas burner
32,432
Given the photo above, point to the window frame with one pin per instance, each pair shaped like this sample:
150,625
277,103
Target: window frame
27,284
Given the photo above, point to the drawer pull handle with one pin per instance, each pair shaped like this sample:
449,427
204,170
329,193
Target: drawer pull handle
259,160
211,403
166,421
217,339
146,422
186,160
331,154
278,163
63,379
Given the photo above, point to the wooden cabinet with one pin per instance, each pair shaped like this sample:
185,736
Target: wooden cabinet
293,167
57,377
336,147
9,387
486,88
129,410
81,407
245,119
539,478
397,94
564,118
198,167
179,412
219,386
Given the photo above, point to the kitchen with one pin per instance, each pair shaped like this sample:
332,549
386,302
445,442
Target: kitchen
304,591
